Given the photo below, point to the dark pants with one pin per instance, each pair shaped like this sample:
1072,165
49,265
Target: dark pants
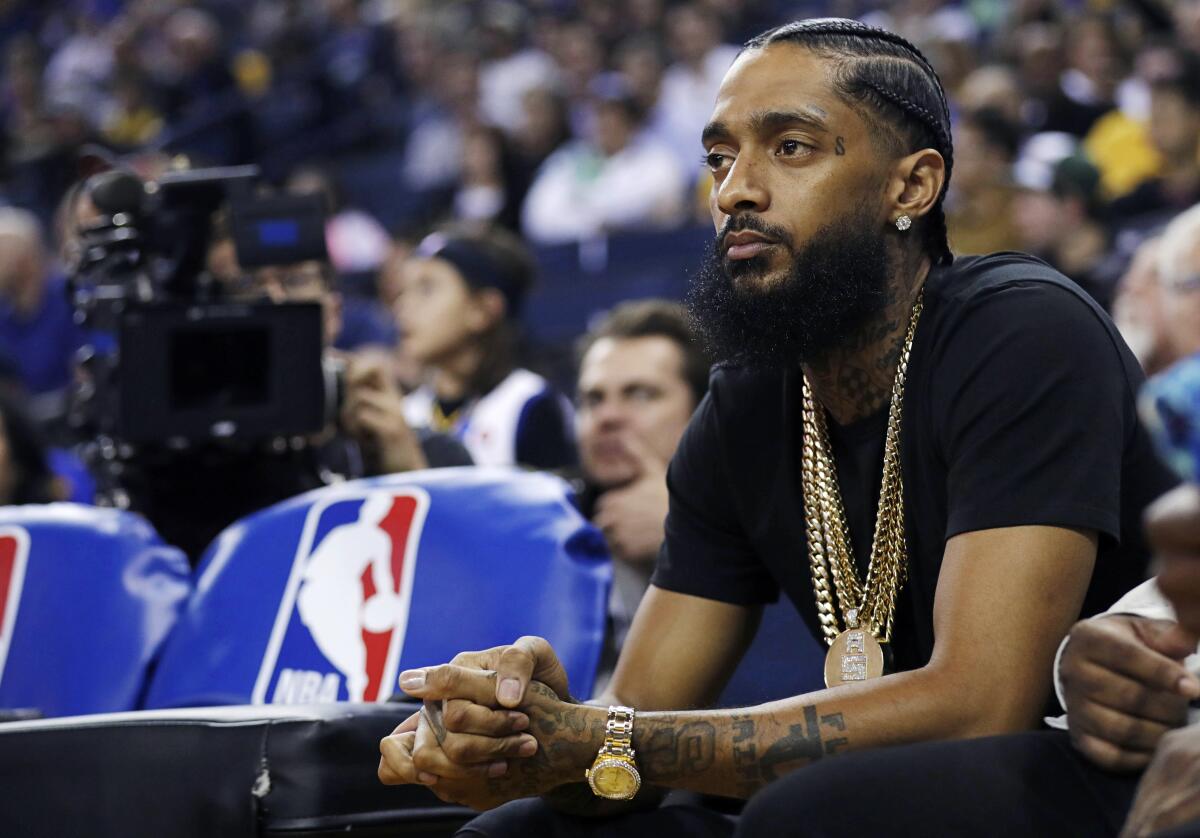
534,819
1030,784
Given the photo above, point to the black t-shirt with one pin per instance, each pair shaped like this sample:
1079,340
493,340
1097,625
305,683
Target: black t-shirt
1018,410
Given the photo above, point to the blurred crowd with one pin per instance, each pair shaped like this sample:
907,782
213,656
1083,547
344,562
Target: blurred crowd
1075,127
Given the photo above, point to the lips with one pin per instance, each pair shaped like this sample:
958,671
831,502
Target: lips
746,244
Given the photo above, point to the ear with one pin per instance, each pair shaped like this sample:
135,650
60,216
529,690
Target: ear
487,309
915,184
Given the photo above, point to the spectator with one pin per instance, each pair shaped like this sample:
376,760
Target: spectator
133,122
1139,309
509,71
458,311
544,127
373,436
641,375
1179,276
440,116
1087,87
1057,217
36,321
979,204
620,180
1175,132
492,185
690,85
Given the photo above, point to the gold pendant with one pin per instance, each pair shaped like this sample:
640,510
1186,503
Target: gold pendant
854,655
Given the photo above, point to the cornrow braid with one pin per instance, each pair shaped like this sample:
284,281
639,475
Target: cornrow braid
891,79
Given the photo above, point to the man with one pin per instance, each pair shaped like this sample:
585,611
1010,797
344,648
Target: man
374,437
620,178
641,375
37,331
1174,125
1018,465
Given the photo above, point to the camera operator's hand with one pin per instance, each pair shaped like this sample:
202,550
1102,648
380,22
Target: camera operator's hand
373,414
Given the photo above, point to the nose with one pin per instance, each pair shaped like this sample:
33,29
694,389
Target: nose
742,188
608,415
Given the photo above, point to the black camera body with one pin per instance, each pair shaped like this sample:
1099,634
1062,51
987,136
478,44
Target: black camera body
174,360
196,406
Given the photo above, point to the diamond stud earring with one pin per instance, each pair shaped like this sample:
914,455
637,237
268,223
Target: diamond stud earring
903,223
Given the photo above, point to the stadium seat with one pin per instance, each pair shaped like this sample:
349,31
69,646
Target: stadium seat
328,596
86,598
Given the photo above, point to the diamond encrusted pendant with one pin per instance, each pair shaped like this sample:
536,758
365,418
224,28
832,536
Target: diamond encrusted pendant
854,655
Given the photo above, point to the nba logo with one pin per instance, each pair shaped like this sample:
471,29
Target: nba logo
14,553
340,627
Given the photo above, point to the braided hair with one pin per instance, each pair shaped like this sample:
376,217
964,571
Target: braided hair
893,85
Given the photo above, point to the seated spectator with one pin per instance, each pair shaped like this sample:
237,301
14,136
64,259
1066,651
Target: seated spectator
372,436
1057,216
978,205
37,329
621,179
1087,87
1174,131
458,309
1139,309
1179,277
493,183
641,375
690,84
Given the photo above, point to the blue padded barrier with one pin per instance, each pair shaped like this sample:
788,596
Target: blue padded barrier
784,660
86,598
288,605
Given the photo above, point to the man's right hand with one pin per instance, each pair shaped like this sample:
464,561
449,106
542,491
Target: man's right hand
470,723
1125,688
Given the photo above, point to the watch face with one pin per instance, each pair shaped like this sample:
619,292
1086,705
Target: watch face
615,780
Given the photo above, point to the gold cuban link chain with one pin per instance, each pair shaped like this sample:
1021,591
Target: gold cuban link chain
830,550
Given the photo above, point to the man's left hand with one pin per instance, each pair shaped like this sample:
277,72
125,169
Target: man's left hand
1169,793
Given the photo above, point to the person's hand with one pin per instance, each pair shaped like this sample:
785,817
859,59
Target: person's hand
483,771
373,413
632,516
1169,792
1125,688
475,721
1173,525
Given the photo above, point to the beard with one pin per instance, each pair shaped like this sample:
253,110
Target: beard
833,286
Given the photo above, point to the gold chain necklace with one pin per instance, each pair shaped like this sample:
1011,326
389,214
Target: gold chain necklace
869,607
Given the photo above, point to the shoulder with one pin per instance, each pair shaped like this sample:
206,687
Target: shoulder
520,386
1012,312
1013,290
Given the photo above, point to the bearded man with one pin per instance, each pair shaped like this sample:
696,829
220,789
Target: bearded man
937,460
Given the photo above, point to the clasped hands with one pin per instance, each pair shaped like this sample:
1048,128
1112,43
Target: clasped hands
495,726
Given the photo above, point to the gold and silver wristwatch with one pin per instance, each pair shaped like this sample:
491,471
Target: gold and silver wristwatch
614,773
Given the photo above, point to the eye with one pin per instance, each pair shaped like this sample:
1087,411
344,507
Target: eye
716,161
791,148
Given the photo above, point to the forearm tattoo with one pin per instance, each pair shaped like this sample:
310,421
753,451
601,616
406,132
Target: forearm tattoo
741,751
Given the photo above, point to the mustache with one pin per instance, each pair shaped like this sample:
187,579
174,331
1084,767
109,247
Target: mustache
750,221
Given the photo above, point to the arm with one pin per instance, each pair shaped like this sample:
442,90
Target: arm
1004,599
